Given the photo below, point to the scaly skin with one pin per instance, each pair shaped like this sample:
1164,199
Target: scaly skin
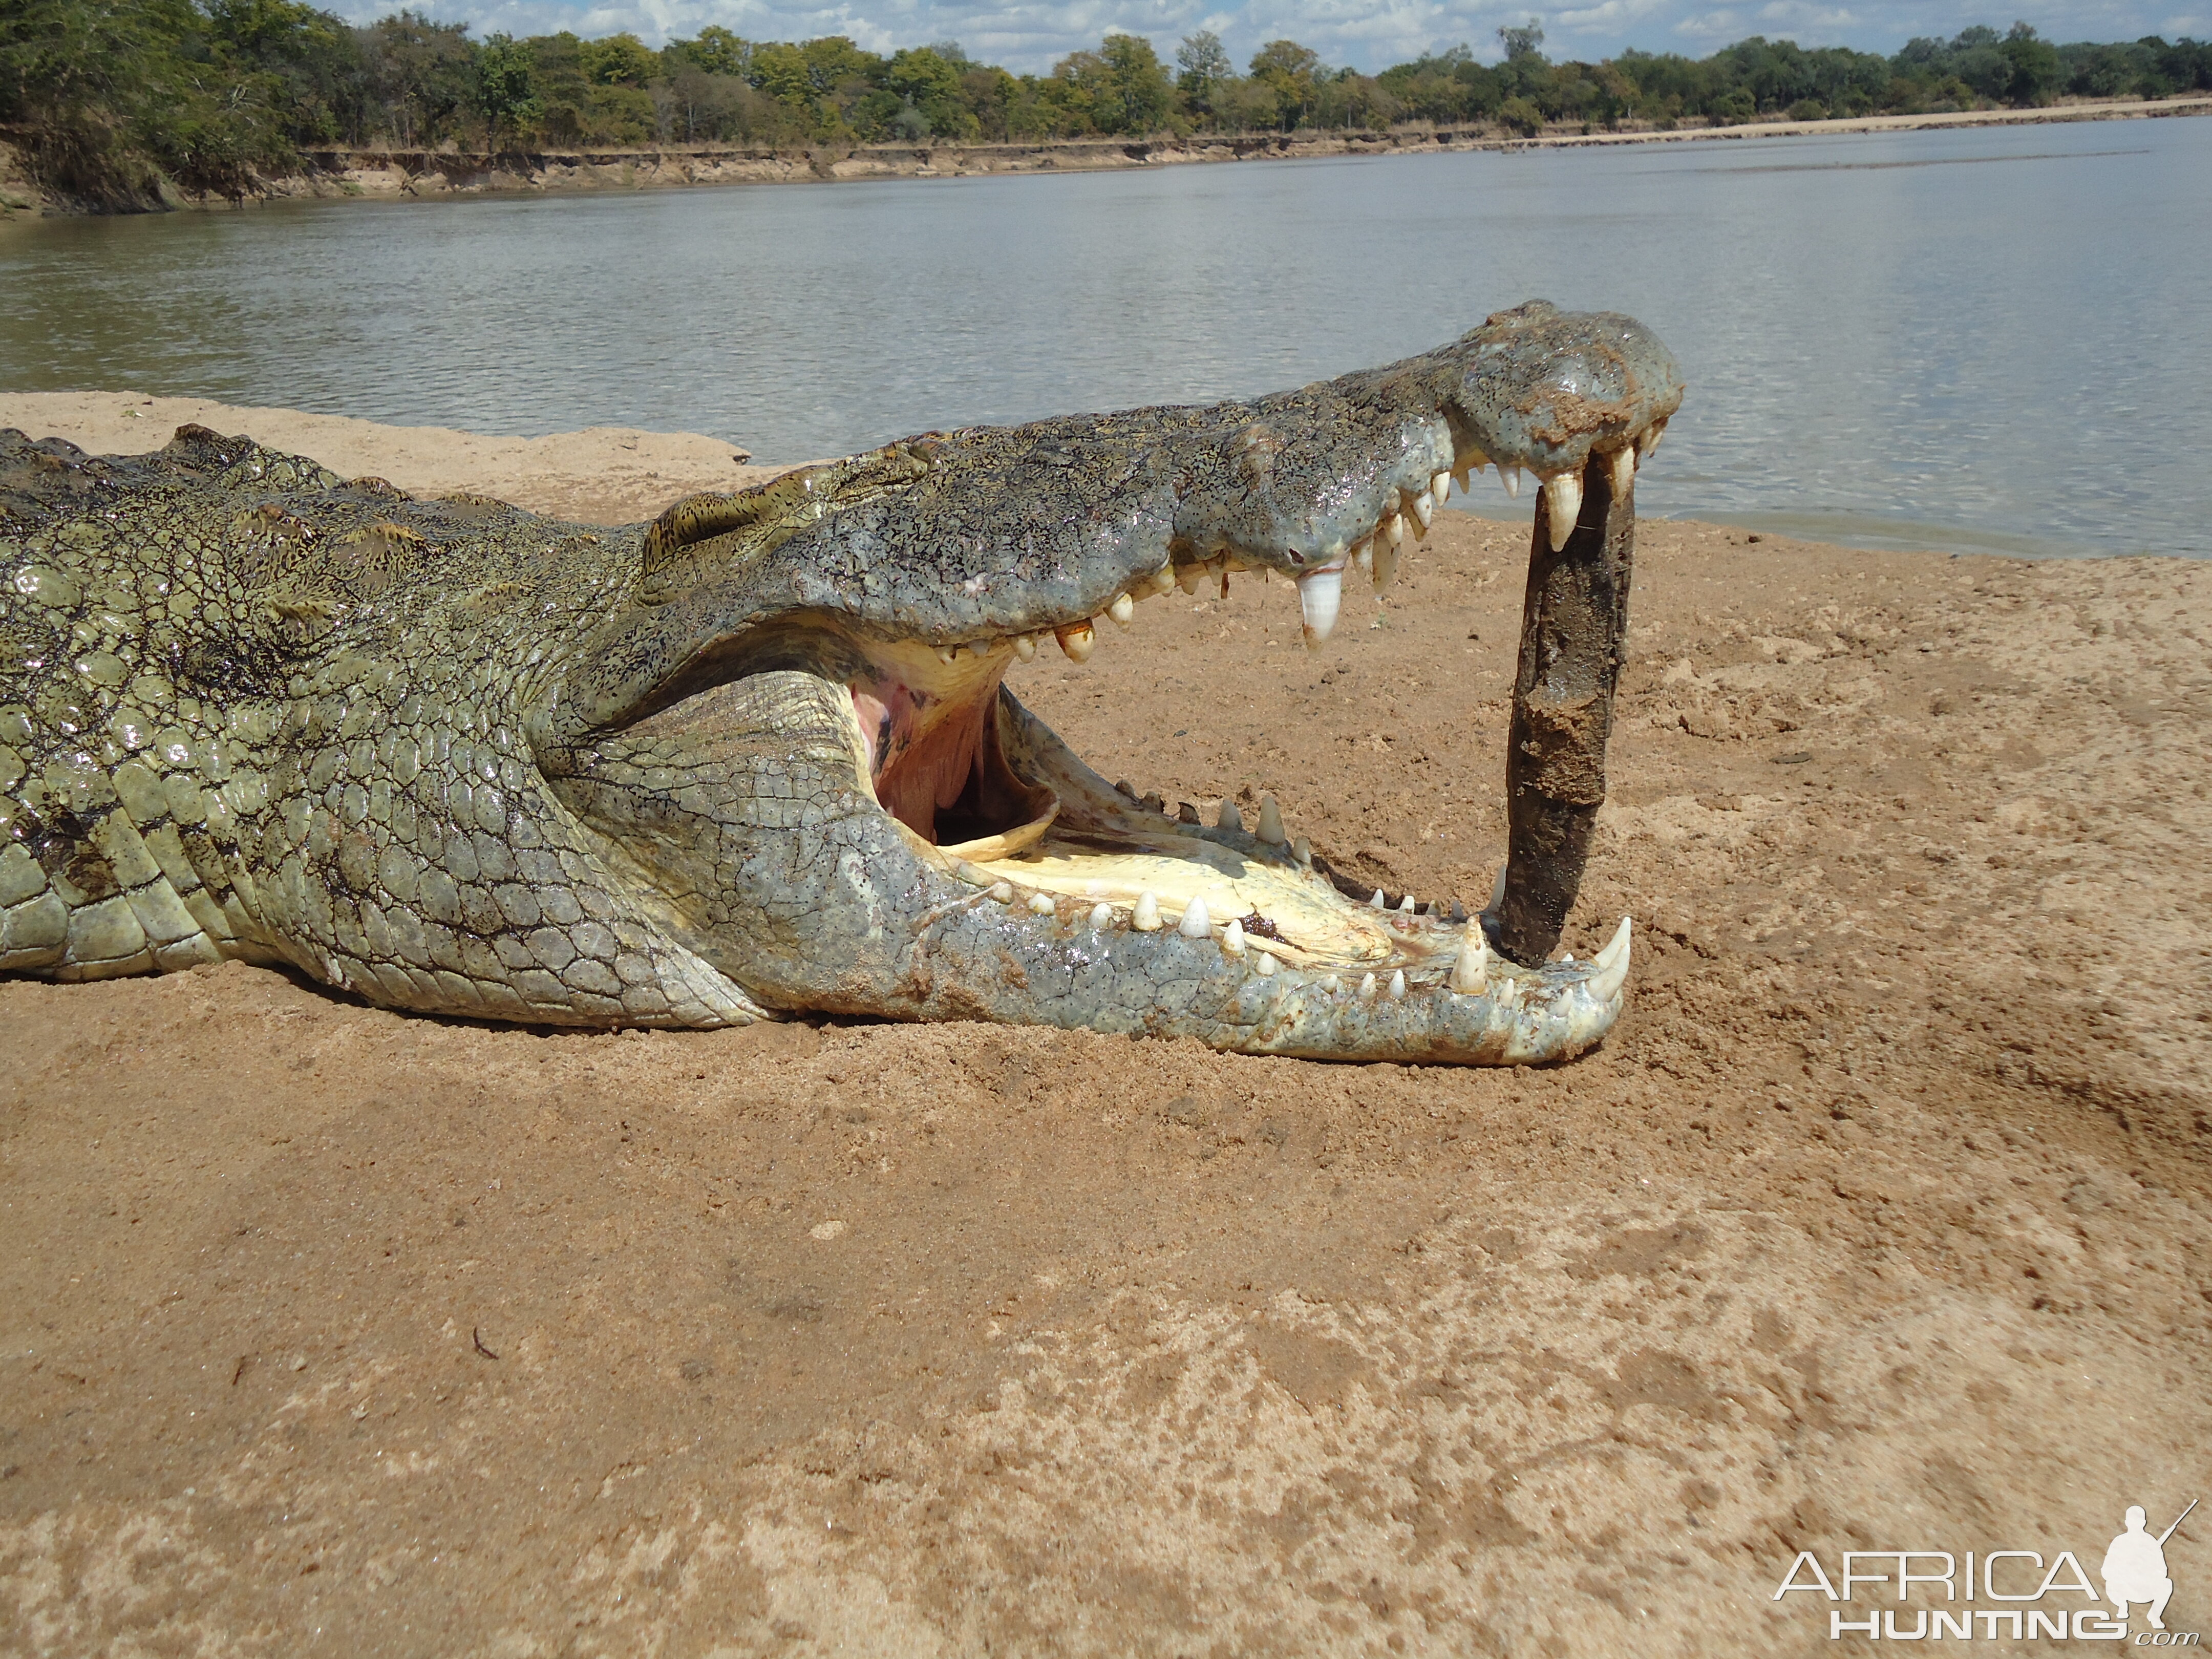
457,758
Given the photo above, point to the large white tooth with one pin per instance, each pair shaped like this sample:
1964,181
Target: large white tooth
1497,893
1377,901
1164,579
1188,576
1232,938
1122,609
1471,968
1042,903
1302,850
1363,557
1270,821
1398,985
1333,985
1196,924
1425,511
1624,470
1611,964
1102,917
1319,595
1510,478
948,654
1386,564
1392,529
1617,947
1367,988
1003,891
1440,485
1263,964
1145,918
1078,641
1405,904
1025,647
1563,496
1652,436
1229,817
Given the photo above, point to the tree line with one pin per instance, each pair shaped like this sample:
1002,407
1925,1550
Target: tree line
113,101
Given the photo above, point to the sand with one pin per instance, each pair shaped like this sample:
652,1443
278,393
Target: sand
1879,1222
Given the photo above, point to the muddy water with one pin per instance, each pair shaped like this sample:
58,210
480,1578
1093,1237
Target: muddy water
1991,339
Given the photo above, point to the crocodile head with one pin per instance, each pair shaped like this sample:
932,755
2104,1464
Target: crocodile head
798,733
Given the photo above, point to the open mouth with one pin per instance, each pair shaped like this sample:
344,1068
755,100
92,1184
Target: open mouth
802,728
983,790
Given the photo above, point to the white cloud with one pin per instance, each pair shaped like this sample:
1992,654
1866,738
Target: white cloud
1030,35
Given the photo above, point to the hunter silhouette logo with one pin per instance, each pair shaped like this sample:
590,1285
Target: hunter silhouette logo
2134,1567
1934,1593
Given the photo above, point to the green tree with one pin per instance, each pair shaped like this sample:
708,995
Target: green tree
1291,72
1201,64
2036,70
1524,41
505,92
417,75
714,51
619,60
1139,82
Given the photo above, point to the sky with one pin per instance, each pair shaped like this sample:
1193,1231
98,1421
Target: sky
1027,36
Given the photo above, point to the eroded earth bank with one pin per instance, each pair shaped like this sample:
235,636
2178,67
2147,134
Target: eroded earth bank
1879,1222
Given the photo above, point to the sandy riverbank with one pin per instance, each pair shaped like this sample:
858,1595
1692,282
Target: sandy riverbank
387,174
1882,1221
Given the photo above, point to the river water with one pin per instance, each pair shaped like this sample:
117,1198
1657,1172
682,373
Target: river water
1997,339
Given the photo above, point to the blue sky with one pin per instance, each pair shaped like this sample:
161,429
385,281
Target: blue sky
1368,34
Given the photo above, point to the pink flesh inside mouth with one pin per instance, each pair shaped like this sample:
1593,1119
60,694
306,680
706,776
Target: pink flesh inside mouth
926,752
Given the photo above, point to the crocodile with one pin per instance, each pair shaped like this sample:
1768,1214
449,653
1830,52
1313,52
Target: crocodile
758,758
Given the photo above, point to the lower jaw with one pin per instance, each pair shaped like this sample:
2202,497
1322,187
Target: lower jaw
1081,842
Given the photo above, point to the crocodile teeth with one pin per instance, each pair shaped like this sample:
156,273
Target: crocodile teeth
1405,904
1624,470
1651,437
948,654
1497,892
1386,564
1510,478
1042,903
1270,821
1003,891
1232,938
1102,917
1398,985
1367,988
1188,576
1263,964
1611,964
1196,924
1377,901
1164,579
1078,642
1025,647
1319,595
1471,968
1145,918
1122,609
1425,512
1363,557
1562,496
1229,817
1392,529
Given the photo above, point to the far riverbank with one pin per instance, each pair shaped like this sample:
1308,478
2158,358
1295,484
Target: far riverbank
390,174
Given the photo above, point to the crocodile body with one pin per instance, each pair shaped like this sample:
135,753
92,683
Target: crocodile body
756,758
